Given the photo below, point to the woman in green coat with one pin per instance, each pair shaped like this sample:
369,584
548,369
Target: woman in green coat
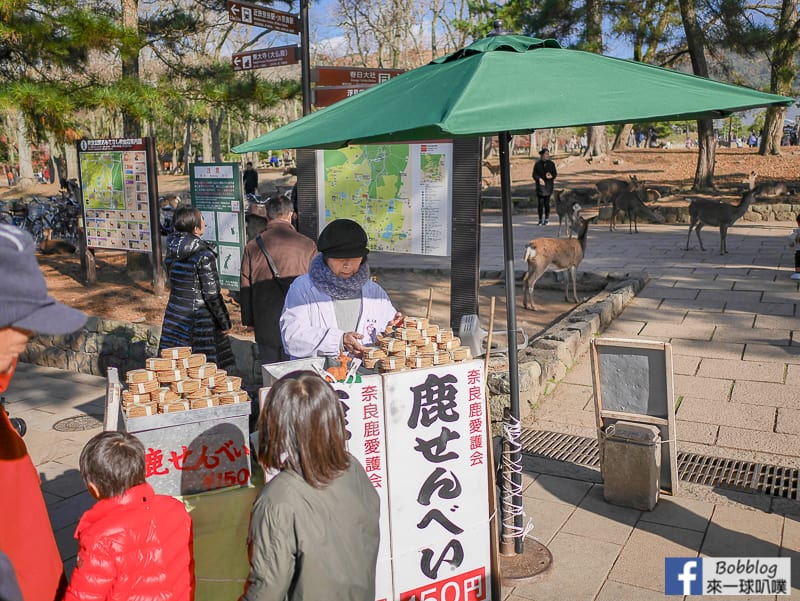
314,530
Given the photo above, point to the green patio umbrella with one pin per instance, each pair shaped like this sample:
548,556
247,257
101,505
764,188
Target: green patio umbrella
504,85
516,84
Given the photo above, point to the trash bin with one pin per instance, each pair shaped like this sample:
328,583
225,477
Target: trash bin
631,465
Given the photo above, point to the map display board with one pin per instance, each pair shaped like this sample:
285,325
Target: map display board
399,193
216,191
115,184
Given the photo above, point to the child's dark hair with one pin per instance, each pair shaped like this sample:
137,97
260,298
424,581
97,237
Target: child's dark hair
113,462
187,219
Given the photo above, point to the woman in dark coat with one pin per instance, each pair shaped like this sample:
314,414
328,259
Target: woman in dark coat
544,176
196,315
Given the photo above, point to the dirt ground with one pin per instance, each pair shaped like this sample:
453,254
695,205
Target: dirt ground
129,297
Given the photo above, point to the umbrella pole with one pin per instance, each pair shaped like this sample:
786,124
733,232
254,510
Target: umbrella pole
512,429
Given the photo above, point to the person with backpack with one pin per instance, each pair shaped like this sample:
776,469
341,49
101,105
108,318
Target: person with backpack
271,262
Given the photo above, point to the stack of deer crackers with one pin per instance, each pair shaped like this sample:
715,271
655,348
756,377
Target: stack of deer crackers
415,344
179,381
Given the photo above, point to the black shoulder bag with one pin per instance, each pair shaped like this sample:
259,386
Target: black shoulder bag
282,282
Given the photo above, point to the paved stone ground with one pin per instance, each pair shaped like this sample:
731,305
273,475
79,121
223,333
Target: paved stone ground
732,322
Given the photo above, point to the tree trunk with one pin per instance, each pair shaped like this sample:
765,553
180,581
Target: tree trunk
782,72
707,148
12,152
706,157
597,140
773,131
621,139
71,155
215,129
24,146
206,141
187,146
131,126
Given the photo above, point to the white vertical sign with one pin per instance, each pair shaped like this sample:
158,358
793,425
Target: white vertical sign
438,495
364,414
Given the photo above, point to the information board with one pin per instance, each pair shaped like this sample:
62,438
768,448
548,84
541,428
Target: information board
399,193
116,176
216,191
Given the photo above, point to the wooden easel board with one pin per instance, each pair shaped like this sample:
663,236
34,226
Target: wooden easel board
633,381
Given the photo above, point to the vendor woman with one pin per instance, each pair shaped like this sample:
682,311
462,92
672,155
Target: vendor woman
336,307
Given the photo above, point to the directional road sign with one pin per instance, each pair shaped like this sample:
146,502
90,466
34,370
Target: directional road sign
328,95
268,57
261,16
351,76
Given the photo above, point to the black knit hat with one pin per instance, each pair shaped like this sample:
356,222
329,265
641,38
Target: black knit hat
343,239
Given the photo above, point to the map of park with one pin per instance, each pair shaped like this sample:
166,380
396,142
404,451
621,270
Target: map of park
369,184
102,180
432,166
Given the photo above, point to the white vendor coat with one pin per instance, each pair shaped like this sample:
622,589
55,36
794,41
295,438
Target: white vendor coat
308,321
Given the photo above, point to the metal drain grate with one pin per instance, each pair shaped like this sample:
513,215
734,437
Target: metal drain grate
773,480
80,423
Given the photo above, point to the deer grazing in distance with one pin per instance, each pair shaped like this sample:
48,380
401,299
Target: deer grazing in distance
555,254
630,201
704,211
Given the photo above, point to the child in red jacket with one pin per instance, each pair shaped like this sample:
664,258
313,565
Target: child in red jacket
134,544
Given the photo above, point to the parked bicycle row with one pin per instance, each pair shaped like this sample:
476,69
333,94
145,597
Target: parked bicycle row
54,217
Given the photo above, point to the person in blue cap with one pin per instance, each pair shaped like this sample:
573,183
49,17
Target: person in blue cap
26,537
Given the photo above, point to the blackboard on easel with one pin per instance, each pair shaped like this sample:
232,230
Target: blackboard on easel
633,382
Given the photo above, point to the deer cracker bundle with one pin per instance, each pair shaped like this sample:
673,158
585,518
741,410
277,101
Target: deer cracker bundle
416,344
179,381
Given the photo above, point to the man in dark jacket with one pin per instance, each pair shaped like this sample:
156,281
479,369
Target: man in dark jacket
262,294
250,179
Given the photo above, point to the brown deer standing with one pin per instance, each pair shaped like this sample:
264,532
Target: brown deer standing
609,188
555,254
493,169
630,201
704,211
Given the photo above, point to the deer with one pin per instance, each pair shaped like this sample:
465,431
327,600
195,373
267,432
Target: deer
704,211
608,188
555,254
493,169
773,189
631,202
48,246
568,206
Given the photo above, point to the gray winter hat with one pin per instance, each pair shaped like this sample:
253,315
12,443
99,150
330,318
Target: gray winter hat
24,302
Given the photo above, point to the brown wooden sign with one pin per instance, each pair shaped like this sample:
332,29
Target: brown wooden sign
268,57
351,76
261,16
327,95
